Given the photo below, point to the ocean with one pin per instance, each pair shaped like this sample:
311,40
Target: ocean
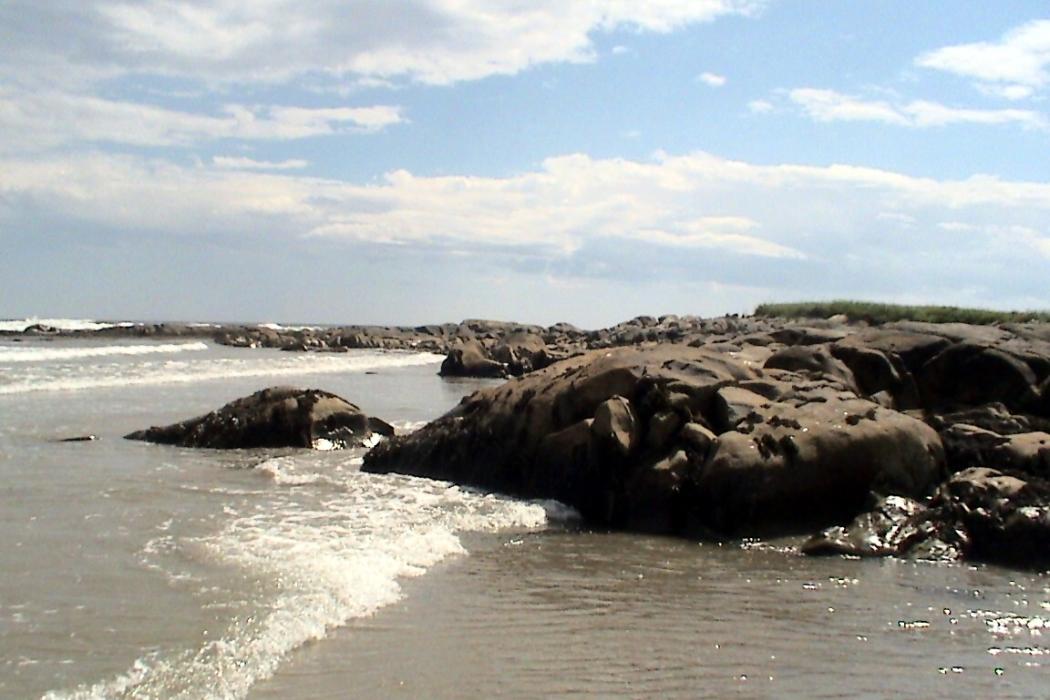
141,571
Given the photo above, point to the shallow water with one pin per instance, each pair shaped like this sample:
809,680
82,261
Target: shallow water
134,570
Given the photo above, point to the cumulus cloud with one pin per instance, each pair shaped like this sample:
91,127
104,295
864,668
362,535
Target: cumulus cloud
830,106
712,79
697,202
1014,67
429,41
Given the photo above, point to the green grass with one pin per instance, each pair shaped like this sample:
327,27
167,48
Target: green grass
884,313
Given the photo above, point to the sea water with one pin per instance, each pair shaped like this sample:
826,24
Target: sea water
132,570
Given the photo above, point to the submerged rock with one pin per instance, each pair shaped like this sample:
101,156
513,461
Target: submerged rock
275,417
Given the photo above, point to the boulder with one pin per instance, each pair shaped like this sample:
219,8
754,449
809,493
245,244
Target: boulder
979,513
628,437
798,462
522,352
468,359
813,360
275,417
893,526
967,374
1006,518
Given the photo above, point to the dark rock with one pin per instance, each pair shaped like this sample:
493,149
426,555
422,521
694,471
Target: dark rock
990,416
813,360
890,528
522,352
807,335
966,374
979,513
877,372
798,462
617,426
1005,517
468,359
621,436
913,349
275,417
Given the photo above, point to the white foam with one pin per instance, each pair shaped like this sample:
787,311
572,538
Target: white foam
279,327
275,364
65,324
323,563
24,353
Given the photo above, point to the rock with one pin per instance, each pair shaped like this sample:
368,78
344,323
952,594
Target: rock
522,352
890,528
807,335
877,372
799,462
697,437
468,359
732,405
622,436
814,360
1024,452
1005,517
275,417
617,426
912,348
966,374
990,416
969,445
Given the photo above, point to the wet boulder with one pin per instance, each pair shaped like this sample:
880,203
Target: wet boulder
275,417
1006,517
895,526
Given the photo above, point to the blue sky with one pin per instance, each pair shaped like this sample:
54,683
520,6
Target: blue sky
409,161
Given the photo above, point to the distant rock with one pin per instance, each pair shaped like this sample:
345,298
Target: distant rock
468,359
275,417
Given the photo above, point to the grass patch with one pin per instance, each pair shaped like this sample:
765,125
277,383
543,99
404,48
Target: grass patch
884,313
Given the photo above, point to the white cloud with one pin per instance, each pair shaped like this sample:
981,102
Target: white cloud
1014,66
45,118
712,79
695,202
829,106
242,163
760,106
430,41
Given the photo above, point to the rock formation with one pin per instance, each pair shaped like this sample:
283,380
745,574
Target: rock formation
275,417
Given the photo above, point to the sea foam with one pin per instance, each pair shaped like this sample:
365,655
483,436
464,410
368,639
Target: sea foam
25,353
64,324
33,377
321,562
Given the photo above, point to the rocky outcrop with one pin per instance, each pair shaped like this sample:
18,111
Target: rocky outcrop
275,417
978,513
669,438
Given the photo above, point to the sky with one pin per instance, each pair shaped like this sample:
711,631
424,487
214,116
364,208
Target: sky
416,161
